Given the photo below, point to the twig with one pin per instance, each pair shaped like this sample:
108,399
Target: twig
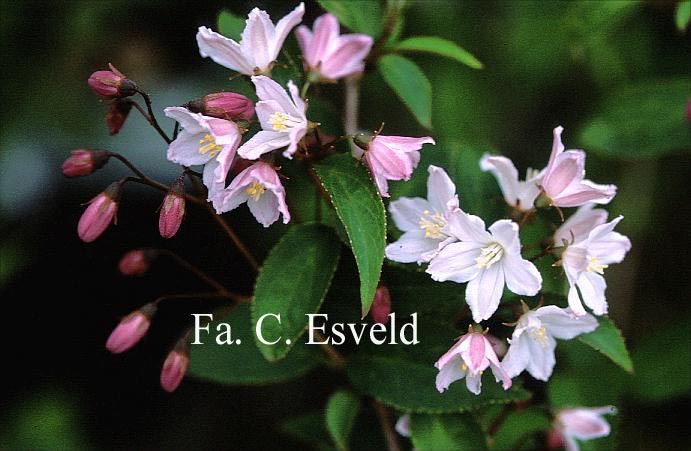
351,104
196,271
208,295
335,357
384,415
150,116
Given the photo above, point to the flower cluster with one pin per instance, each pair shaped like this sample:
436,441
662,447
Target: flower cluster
457,246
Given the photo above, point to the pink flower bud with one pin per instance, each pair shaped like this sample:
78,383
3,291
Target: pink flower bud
131,329
688,110
172,210
227,105
99,214
83,162
175,366
111,84
117,114
136,262
381,306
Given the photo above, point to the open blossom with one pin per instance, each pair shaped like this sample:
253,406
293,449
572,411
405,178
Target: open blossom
282,119
486,260
390,157
260,44
563,183
582,423
204,140
329,54
469,357
519,194
533,340
423,220
259,186
592,245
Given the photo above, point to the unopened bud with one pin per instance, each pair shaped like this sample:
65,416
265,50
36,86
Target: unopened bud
131,329
111,84
175,366
172,210
555,440
137,262
381,306
83,162
117,114
225,105
99,214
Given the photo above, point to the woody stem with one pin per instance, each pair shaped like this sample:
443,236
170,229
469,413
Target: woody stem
150,117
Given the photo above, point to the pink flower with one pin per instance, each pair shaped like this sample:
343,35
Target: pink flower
111,84
381,306
84,162
391,157
131,329
260,186
563,183
469,358
172,210
519,194
99,214
136,262
175,366
583,424
224,105
330,55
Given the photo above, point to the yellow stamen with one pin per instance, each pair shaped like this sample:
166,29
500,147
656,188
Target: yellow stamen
540,335
594,267
464,367
208,145
489,255
255,190
432,223
282,122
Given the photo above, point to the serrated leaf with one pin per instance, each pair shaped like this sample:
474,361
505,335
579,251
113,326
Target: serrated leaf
341,411
439,46
363,16
293,282
608,340
243,364
230,25
453,432
410,84
361,211
682,16
641,120
310,429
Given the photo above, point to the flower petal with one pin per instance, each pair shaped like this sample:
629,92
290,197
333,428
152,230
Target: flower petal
563,323
483,293
467,227
456,262
440,189
542,360
283,27
347,57
184,150
506,174
592,287
263,142
410,247
407,211
579,225
223,51
449,373
517,357
522,277
258,39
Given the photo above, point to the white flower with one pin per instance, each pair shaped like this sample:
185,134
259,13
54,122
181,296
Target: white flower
583,424
403,425
282,119
486,260
204,140
422,220
260,44
469,357
588,255
533,340
520,194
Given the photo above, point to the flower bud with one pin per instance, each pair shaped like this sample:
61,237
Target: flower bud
175,366
117,114
136,262
224,105
99,214
172,210
381,306
131,329
111,84
83,162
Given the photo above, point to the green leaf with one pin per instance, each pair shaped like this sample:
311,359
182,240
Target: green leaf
363,16
665,354
682,17
293,282
230,25
641,120
517,426
608,340
243,364
434,432
361,211
439,46
410,84
310,429
341,411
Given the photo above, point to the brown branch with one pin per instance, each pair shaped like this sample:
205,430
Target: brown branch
387,427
